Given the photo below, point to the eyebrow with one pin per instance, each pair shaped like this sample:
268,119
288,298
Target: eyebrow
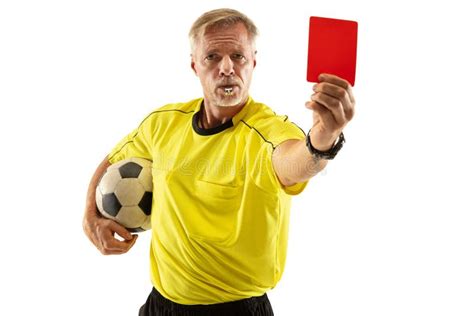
216,50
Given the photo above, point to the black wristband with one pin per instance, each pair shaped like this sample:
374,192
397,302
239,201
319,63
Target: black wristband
329,154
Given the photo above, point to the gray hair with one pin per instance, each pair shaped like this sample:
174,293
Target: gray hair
221,18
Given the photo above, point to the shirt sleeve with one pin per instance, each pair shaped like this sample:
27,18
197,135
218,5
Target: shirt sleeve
264,173
135,144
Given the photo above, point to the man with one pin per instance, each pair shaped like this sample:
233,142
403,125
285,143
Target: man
224,170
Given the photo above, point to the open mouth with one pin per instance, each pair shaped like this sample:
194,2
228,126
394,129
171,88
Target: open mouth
228,90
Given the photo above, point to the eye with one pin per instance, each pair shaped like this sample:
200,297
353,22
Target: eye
238,56
211,57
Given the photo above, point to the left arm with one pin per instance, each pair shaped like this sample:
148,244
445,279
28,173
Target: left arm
332,104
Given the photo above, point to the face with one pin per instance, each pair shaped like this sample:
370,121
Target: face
224,59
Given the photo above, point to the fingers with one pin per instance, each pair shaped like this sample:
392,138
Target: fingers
340,91
109,244
113,251
333,105
101,232
324,114
121,231
338,82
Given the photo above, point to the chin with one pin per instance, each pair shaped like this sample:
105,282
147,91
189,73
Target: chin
229,101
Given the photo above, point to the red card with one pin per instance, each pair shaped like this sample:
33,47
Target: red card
332,48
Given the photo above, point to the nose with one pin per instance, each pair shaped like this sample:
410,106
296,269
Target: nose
226,67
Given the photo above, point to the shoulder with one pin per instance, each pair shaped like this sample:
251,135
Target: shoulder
271,126
175,108
170,111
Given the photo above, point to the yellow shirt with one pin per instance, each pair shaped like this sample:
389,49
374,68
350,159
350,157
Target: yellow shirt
219,215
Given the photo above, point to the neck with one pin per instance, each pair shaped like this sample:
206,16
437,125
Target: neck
214,115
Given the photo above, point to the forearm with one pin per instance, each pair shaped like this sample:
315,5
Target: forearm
332,104
91,209
295,164
310,166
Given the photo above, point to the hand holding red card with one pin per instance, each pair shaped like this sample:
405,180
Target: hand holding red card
332,52
332,48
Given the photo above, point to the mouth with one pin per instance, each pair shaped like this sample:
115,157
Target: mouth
228,89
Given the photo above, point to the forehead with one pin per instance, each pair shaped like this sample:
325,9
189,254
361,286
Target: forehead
233,36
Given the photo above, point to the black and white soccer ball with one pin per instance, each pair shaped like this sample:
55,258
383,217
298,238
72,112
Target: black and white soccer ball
124,193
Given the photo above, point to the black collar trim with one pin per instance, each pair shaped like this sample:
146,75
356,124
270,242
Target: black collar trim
212,130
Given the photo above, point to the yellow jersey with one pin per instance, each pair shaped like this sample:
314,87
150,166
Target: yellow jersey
219,214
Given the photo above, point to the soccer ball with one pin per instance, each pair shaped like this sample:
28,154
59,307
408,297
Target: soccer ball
124,193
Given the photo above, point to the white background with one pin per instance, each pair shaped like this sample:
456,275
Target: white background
387,229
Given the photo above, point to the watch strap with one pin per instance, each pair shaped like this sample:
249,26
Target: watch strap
328,154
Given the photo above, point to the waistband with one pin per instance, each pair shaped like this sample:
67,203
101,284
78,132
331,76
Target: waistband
244,304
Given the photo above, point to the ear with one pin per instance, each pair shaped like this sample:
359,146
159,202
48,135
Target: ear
193,65
255,59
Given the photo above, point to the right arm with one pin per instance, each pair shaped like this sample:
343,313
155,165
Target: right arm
100,230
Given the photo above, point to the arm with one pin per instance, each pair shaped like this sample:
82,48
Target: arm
333,107
100,230
294,164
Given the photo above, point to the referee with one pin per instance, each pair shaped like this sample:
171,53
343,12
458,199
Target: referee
224,169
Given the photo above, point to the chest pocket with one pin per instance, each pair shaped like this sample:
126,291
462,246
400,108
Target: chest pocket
214,215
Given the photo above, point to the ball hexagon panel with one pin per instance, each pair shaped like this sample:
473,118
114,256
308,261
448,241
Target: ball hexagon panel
109,181
131,216
145,179
129,192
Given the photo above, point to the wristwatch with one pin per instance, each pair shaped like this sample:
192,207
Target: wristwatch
329,154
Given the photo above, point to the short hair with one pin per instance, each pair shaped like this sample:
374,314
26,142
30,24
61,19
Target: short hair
221,18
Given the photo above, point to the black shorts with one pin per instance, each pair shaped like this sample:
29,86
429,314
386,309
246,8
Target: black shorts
158,305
